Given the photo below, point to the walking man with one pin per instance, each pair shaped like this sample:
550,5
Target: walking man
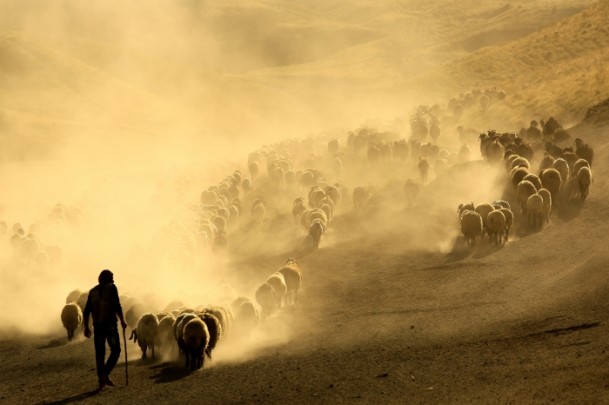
105,307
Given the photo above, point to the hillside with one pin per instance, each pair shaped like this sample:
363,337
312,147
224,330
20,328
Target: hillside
559,70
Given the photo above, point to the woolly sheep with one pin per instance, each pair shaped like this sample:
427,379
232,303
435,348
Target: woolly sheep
423,167
277,281
509,160
524,190
517,174
584,178
494,151
579,163
254,168
265,296
361,195
196,339
258,211
533,179
165,332
215,331
82,300
465,207
521,162
224,315
73,296
501,204
547,202
146,333
247,315
411,191
334,193
297,209
552,181
316,229
563,168
546,163
509,221
315,195
535,210
471,226
483,210
327,210
246,185
496,226
292,274
71,318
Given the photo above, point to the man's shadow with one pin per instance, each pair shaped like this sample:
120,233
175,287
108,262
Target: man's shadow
75,398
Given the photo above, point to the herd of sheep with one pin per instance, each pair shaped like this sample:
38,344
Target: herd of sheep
195,332
312,175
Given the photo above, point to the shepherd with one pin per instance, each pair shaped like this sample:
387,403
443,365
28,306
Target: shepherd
105,307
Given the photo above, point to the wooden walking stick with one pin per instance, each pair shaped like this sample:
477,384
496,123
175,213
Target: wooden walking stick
126,368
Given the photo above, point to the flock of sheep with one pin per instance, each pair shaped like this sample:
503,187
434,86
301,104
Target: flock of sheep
313,175
563,174
195,332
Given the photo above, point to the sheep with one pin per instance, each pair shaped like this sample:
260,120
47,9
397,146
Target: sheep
547,162
570,157
265,295
494,151
579,163
258,211
509,221
496,226
584,178
220,224
535,210
254,168
563,168
547,202
327,209
517,174
465,207
315,195
165,331
483,210
71,318
552,181
509,160
215,331
224,315
521,162
146,333
334,193
247,315
277,281
583,150
411,191
292,274
524,190
196,339
361,195
246,185
73,296
471,226
316,229
132,316
82,300
298,209
498,204
423,167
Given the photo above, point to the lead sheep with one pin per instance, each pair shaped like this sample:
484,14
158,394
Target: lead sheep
316,230
292,274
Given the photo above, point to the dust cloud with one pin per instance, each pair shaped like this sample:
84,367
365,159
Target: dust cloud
115,117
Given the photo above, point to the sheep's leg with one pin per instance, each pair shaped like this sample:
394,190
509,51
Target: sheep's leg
153,355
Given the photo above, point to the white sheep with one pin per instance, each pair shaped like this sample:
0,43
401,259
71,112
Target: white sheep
316,229
146,333
73,296
584,179
292,274
517,174
509,221
196,338
535,210
471,226
71,318
563,168
547,202
551,180
524,190
496,226
277,281
265,296
247,316
533,179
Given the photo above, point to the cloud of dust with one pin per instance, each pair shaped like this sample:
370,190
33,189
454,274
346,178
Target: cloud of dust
125,113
